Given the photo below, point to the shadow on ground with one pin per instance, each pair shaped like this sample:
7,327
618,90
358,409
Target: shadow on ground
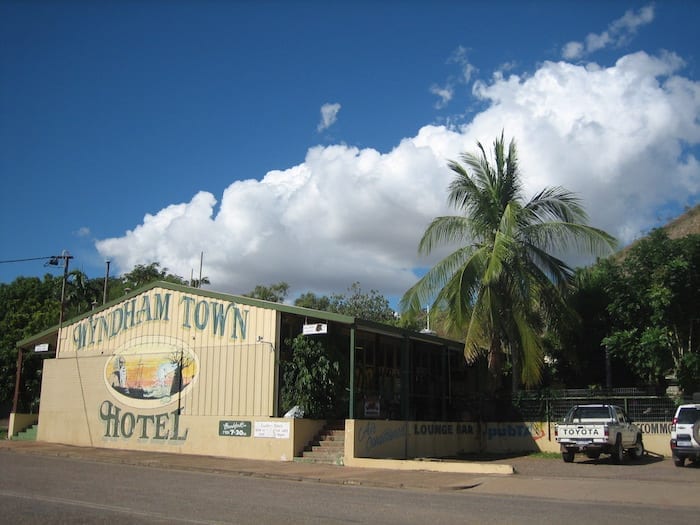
485,457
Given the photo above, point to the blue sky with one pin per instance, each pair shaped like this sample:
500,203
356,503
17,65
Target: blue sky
307,141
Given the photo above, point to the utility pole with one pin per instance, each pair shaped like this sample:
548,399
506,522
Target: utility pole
104,291
201,262
66,257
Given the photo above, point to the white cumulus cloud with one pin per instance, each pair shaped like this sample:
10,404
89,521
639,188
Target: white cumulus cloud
624,137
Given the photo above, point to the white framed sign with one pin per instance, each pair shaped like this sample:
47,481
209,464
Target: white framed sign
317,328
271,429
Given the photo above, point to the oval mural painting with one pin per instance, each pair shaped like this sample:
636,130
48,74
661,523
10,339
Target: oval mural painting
151,372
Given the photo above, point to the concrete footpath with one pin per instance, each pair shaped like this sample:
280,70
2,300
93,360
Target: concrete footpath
430,475
650,481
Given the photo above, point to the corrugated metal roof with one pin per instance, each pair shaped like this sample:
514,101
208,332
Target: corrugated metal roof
50,335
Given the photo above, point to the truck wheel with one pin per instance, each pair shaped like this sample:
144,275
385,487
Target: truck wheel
678,461
618,453
593,454
638,451
567,456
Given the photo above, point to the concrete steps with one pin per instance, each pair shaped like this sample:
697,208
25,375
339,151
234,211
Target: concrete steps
327,447
28,434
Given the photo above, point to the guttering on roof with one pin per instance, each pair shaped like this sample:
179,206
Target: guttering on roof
51,334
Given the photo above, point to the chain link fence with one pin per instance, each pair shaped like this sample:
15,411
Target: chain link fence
553,405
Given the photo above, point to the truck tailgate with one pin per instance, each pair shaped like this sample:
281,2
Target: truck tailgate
580,432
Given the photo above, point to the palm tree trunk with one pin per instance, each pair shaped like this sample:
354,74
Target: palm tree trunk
515,370
495,362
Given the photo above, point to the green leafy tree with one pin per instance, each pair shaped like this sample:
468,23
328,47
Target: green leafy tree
577,347
503,285
653,294
310,378
371,306
142,275
28,305
313,301
275,293
82,294
689,372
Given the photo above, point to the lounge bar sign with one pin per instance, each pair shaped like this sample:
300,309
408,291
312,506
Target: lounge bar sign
234,428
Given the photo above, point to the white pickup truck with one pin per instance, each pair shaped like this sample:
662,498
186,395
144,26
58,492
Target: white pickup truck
598,429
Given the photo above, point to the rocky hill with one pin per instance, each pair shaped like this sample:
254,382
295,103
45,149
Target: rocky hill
686,224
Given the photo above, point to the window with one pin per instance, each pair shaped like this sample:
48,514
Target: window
688,416
579,413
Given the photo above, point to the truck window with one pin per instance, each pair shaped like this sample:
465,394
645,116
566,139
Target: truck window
588,413
688,416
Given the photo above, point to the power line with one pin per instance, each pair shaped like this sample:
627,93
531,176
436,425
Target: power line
30,259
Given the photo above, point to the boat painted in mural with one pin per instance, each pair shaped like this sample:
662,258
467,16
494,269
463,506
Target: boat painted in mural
151,372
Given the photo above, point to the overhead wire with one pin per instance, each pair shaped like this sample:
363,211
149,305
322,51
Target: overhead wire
28,259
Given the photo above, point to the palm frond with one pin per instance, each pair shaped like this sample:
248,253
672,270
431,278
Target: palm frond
503,246
477,341
461,290
567,236
532,353
444,230
553,269
425,290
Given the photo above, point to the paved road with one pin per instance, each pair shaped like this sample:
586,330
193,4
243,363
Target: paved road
40,488
88,485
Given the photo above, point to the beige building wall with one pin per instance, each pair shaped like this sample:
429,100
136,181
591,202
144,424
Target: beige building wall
228,349
434,439
410,439
102,422
115,381
538,436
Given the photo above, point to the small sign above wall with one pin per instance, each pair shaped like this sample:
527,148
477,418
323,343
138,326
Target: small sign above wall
234,428
272,429
317,328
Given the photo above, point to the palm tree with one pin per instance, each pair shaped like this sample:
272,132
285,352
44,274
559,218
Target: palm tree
503,286
81,292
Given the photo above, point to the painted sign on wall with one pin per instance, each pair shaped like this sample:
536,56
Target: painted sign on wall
119,423
220,318
151,371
